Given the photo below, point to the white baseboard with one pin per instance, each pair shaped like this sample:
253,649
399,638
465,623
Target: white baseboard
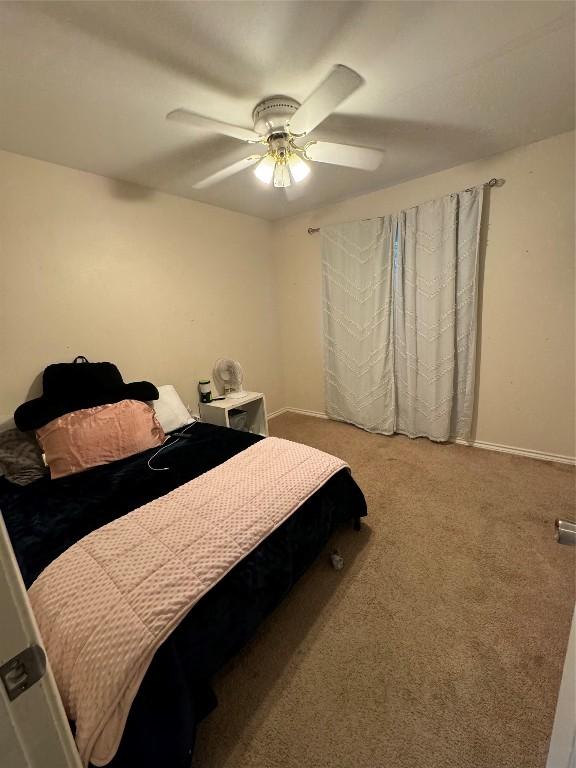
527,453
279,412
300,411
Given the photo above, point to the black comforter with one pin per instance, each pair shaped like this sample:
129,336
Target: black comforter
46,517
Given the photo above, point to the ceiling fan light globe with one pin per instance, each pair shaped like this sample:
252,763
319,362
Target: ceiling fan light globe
265,169
298,168
281,175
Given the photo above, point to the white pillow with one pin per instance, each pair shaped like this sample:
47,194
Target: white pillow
170,410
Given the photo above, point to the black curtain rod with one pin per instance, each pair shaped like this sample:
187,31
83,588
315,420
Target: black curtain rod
491,183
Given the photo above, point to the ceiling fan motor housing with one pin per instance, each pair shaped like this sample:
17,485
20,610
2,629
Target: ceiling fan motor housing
272,115
281,123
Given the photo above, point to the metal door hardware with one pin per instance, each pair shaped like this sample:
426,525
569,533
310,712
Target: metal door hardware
23,670
565,531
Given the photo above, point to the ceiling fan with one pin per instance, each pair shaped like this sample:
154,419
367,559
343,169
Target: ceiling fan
279,123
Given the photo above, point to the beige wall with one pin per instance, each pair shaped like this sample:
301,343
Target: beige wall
163,286
158,284
526,354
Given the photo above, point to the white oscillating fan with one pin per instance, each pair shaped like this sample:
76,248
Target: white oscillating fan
228,376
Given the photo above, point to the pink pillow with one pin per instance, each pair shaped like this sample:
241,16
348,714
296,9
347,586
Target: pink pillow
83,439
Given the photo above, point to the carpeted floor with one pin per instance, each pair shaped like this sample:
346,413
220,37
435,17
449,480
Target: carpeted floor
440,644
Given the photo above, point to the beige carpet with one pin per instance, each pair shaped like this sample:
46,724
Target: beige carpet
440,644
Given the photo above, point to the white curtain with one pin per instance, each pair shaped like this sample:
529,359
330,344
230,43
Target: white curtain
400,307
358,360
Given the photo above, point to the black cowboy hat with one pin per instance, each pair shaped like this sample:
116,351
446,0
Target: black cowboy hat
72,386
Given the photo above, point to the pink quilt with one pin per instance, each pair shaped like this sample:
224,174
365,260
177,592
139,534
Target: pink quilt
107,603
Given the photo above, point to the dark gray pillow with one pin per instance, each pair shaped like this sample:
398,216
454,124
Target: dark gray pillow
20,457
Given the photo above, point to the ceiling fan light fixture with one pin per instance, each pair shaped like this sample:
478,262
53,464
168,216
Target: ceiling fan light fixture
281,175
265,169
298,167
279,122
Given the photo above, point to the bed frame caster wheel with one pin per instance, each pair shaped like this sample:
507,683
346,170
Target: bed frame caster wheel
337,560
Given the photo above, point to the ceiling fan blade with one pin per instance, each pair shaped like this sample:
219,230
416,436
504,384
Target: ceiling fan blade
344,154
331,92
228,170
207,124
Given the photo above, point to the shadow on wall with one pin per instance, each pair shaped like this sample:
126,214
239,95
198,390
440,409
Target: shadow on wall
36,389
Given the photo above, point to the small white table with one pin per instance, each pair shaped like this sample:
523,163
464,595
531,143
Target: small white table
252,403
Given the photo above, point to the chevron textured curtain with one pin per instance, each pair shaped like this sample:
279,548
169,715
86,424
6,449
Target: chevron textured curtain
357,260
400,308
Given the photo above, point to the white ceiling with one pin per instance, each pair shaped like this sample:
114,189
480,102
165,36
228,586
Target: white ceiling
88,85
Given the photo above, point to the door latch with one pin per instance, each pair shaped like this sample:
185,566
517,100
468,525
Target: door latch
565,531
23,670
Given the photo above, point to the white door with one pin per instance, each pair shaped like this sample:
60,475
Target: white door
34,731
562,752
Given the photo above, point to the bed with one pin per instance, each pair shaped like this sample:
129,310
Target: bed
46,517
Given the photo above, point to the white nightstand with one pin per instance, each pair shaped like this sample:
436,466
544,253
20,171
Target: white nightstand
253,403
